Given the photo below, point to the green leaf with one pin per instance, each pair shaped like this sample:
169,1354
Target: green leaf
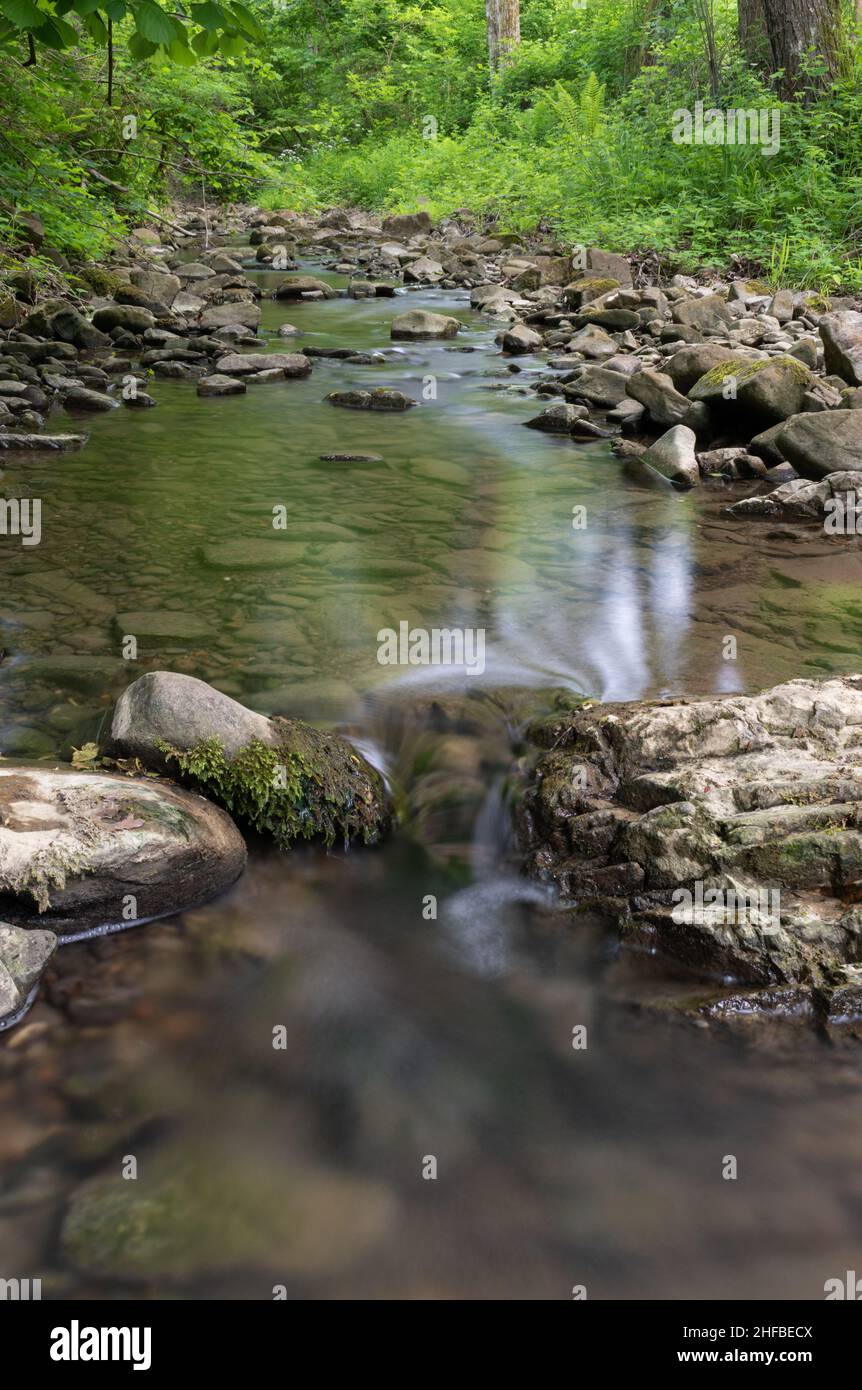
248,22
232,45
152,23
85,7
205,43
209,15
139,47
96,28
115,10
23,13
181,54
56,33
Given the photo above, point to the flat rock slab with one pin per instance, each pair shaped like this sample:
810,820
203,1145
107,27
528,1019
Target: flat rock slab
634,806
35,443
80,850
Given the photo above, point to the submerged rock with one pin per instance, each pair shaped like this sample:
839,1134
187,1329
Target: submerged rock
281,776
87,849
206,1214
726,832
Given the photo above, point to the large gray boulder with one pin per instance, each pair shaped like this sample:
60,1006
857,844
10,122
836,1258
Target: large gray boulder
407,224
687,366
280,776
822,442
656,391
842,344
241,314
290,364
421,323
599,386
674,456
726,832
295,286
131,317
708,314
80,850
756,394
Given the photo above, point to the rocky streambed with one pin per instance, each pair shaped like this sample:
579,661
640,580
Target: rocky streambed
197,629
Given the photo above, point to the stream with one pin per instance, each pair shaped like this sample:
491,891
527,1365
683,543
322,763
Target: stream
405,1038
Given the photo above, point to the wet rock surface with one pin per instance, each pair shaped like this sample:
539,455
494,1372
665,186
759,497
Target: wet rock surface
750,805
83,850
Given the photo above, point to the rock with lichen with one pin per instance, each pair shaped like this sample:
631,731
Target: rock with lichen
88,849
281,777
725,832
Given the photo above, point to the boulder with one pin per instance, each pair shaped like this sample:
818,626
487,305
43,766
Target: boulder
709,314
407,224
24,954
836,500
586,289
842,344
217,385
726,832
674,456
690,364
280,776
158,285
822,442
382,398
241,314
423,271
593,343
130,317
599,386
80,850
607,263
421,323
657,393
81,398
521,339
289,364
756,394
295,286
559,418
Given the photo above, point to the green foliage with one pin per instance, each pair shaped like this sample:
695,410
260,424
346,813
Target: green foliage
148,26
334,105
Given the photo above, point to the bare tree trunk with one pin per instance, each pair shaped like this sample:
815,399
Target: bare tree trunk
793,28
504,30
752,31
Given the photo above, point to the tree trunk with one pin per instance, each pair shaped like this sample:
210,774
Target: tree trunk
504,30
752,31
781,32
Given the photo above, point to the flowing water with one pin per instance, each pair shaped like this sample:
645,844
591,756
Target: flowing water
408,1041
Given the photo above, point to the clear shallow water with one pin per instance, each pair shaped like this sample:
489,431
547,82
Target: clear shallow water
407,1038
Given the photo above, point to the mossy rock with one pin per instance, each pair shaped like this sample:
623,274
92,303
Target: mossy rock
100,281
193,1213
280,777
